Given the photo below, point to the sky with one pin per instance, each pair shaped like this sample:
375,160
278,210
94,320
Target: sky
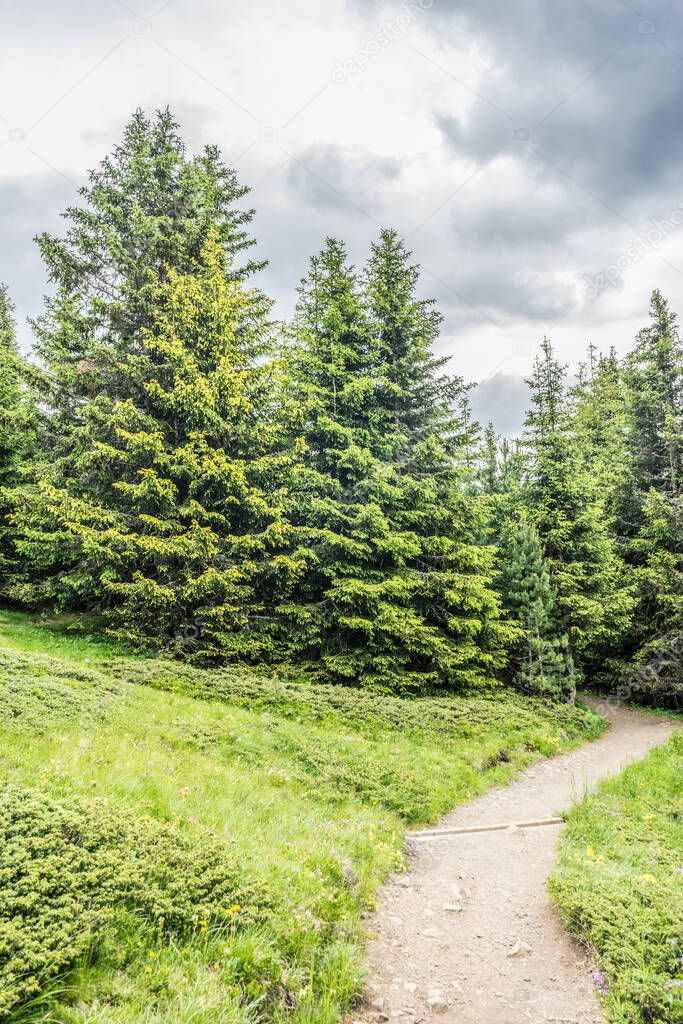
529,152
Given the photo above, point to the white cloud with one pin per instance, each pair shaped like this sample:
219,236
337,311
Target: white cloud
420,136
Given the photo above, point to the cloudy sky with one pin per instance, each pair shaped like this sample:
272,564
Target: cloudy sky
530,152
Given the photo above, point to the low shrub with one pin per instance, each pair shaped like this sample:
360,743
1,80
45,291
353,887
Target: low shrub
619,886
37,693
69,867
461,717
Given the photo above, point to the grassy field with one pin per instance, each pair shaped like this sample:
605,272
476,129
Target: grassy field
619,886
182,845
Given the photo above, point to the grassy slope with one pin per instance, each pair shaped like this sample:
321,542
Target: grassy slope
307,790
619,886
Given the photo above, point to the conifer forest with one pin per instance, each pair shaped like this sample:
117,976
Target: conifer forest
273,603
315,496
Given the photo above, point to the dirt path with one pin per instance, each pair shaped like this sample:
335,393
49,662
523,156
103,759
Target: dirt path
467,935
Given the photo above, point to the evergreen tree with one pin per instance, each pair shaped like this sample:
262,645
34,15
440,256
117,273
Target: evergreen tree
416,396
653,374
489,473
564,506
18,422
499,480
10,392
398,596
541,661
599,422
651,517
146,209
654,379
147,213
172,508
660,575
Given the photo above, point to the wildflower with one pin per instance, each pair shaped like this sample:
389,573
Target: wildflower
600,981
648,878
148,970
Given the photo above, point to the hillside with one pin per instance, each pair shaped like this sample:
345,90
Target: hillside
180,844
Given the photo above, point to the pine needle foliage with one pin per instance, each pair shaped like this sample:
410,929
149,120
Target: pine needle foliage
399,595
170,513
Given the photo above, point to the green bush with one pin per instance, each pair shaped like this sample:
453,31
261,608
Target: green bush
445,718
36,693
619,886
68,867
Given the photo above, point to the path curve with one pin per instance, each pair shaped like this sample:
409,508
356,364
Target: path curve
467,934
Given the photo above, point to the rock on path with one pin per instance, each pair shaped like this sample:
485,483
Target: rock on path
468,935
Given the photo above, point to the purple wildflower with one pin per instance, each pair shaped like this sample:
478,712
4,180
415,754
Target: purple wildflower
600,981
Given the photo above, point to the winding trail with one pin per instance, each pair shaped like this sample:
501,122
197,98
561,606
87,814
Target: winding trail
468,935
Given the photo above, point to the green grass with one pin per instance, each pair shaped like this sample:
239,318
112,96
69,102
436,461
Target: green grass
65,636
151,777
619,886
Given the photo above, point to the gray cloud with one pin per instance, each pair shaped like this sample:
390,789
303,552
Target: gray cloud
503,400
333,177
598,93
598,87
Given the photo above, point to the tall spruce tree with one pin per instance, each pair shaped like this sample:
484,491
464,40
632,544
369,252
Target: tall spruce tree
146,209
599,423
126,383
172,510
10,392
17,426
398,596
564,506
651,504
541,660
417,397
490,471
653,374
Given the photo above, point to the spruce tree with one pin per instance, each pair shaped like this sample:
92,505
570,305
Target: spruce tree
598,418
650,503
564,506
489,472
398,597
172,510
434,458
541,661
18,424
654,379
417,397
146,214
146,209
10,393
